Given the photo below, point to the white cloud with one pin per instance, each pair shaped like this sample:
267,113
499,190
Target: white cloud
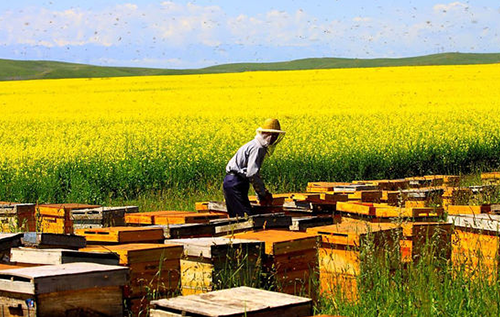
450,7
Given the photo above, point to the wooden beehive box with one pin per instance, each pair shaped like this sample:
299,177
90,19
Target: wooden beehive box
468,210
171,217
73,289
475,245
53,240
188,230
491,178
9,241
421,239
340,253
290,259
303,223
120,235
100,217
234,302
218,262
60,256
56,218
227,226
154,268
16,217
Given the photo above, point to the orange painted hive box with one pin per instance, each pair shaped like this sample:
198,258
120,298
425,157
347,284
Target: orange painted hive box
171,217
154,268
56,218
120,235
340,252
290,259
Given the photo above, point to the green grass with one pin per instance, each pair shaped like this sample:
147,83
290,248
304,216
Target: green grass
25,70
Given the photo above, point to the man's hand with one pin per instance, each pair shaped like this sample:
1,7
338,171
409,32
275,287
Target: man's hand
267,200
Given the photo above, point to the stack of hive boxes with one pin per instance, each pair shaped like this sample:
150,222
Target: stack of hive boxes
56,218
154,266
476,245
340,252
290,260
15,217
219,262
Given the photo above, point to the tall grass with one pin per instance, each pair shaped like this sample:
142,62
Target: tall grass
432,286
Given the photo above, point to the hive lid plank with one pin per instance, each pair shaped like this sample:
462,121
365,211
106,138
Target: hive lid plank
60,256
43,240
230,302
206,247
350,233
482,222
281,241
122,234
139,252
62,277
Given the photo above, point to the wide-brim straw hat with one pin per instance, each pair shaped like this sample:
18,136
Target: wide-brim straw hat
271,125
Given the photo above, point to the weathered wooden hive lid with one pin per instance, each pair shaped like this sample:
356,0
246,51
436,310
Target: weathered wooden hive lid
238,301
210,246
62,277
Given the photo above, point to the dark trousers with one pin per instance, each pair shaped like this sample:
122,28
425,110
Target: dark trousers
236,194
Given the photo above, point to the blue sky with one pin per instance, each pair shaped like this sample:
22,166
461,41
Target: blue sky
193,34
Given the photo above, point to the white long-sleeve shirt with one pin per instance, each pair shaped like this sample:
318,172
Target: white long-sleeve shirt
247,162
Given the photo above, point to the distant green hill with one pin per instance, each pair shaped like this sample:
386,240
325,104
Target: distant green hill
23,70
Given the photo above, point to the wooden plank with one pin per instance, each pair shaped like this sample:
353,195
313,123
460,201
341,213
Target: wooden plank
103,216
122,234
53,240
357,208
472,210
188,230
216,246
140,252
302,223
61,210
62,277
237,302
281,242
102,301
353,233
60,256
484,223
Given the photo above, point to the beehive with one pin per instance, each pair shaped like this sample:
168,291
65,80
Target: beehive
42,240
421,239
234,302
56,218
154,268
117,235
468,210
290,259
475,245
31,256
9,241
227,226
340,260
171,217
100,217
63,290
218,262
15,217
491,178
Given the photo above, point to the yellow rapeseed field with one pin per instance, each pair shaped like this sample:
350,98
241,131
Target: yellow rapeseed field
89,139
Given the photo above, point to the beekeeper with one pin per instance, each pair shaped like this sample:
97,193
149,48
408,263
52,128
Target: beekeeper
244,168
